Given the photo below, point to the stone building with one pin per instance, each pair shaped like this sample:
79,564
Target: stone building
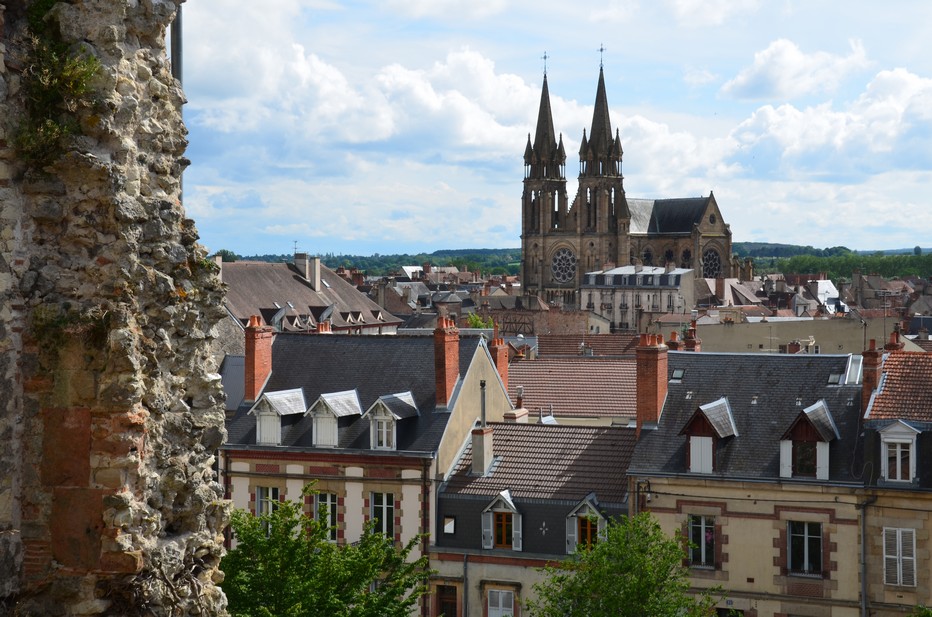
562,239
631,297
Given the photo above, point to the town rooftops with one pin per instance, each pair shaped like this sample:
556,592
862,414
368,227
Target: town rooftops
581,387
550,345
904,392
765,394
537,461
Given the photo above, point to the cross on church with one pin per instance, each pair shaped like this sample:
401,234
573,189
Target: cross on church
544,58
601,51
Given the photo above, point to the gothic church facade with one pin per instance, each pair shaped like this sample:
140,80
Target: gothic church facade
601,227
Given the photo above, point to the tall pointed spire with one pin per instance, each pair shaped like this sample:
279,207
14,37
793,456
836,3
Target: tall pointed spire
600,137
545,141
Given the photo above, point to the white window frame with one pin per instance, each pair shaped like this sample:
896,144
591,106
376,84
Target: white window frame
806,535
327,502
382,431
500,603
502,503
384,512
267,499
700,454
899,557
586,510
326,434
706,524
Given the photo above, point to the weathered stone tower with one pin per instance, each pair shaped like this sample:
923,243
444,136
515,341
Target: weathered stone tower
109,414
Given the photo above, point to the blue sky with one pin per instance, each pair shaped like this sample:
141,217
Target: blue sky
399,126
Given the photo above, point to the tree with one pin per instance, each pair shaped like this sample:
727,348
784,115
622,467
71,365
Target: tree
917,250
921,611
633,570
284,566
475,320
227,255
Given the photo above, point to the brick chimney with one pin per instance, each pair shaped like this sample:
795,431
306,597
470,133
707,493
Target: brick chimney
870,371
324,327
258,357
446,359
692,342
674,343
720,290
894,344
794,347
651,363
499,351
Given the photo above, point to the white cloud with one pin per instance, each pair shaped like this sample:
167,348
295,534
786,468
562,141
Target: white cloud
699,77
615,11
701,13
448,9
783,71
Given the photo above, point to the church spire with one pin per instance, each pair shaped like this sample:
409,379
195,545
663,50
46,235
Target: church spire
547,157
601,154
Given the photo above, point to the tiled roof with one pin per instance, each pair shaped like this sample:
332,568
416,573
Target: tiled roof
254,288
906,388
585,387
766,393
536,461
374,366
549,345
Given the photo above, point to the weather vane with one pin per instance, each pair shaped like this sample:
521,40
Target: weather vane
544,58
601,51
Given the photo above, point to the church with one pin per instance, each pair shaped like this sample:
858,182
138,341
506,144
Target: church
601,227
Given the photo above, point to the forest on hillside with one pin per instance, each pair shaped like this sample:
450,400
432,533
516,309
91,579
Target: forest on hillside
838,262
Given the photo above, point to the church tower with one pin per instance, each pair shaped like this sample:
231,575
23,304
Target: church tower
544,202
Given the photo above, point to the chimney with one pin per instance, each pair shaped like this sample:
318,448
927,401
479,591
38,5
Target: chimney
324,327
651,363
519,414
258,357
446,359
309,267
499,351
692,342
794,347
923,334
873,362
481,440
894,344
674,343
218,259
720,290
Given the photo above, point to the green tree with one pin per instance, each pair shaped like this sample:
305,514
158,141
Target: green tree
917,250
634,570
921,611
227,255
284,566
475,320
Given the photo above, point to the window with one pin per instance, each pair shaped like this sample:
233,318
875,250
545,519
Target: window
503,530
899,557
700,454
702,541
804,458
588,530
268,428
325,429
449,525
326,513
383,513
501,603
266,499
447,606
384,434
898,458
804,548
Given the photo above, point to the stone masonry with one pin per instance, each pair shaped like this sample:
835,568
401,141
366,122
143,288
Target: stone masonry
109,414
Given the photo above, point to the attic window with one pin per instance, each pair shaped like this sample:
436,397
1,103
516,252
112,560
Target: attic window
834,379
799,401
754,400
689,395
326,284
677,374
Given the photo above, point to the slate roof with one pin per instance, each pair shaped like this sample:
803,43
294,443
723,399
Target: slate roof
666,216
232,380
550,345
583,387
904,392
537,461
254,288
374,366
766,394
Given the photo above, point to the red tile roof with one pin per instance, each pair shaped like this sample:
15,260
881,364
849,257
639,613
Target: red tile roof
601,344
538,461
906,388
584,387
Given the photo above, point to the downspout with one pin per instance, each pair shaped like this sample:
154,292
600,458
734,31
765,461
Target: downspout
425,524
863,508
466,584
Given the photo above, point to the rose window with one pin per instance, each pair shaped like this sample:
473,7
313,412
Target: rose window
711,264
563,266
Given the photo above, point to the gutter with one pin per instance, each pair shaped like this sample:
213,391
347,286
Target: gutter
865,608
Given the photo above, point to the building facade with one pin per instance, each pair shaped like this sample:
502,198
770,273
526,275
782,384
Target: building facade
561,239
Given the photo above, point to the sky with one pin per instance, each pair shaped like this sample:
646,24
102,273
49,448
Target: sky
399,126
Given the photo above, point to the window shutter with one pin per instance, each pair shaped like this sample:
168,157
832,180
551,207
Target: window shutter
890,557
516,531
571,541
908,553
786,458
486,530
603,528
700,454
821,460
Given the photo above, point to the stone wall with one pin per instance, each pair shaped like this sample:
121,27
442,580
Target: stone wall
109,414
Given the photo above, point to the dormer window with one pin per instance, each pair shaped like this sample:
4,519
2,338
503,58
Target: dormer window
710,424
898,452
384,416
804,447
501,524
326,414
584,525
271,409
